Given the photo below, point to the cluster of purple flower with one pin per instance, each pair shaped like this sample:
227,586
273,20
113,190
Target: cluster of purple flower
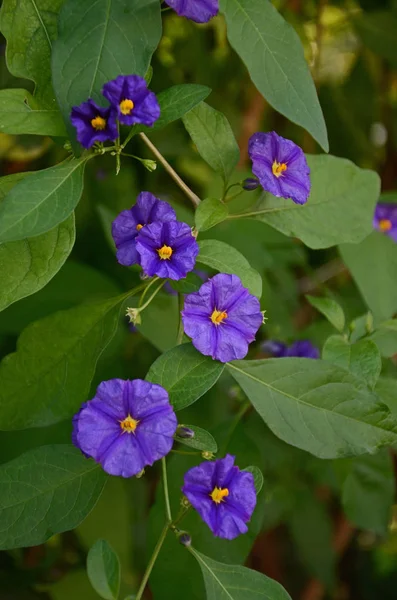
300,349
200,11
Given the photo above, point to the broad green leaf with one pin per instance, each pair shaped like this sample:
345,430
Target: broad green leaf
368,492
27,265
330,309
258,477
214,139
373,265
226,259
339,210
20,113
386,388
316,406
46,491
337,350
41,201
385,337
30,27
49,376
232,582
176,102
103,570
274,57
209,213
362,359
99,40
377,30
191,283
185,374
202,439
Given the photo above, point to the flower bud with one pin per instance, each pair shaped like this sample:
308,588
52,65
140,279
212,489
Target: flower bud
149,164
133,315
250,184
185,539
207,455
185,432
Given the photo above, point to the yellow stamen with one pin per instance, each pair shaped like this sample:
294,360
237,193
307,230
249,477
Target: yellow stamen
165,252
129,424
139,227
278,168
218,316
98,123
385,224
126,106
218,494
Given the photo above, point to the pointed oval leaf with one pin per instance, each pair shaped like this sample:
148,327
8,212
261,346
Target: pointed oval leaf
330,309
274,57
385,337
210,212
362,359
202,439
258,477
46,491
20,113
316,406
103,570
185,374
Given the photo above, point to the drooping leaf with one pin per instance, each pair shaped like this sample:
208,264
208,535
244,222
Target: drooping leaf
316,406
214,139
210,212
377,30
30,27
185,374
330,309
46,491
232,582
27,265
385,337
258,477
362,359
226,259
339,210
97,41
103,569
202,439
49,376
20,113
274,57
41,201
373,265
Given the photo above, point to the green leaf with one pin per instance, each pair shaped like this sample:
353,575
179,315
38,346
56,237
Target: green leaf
330,309
258,477
337,350
49,376
377,30
27,265
316,406
202,439
103,570
232,582
273,54
41,201
385,337
368,492
185,374
386,388
339,210
104,39
226,259
362,359
214,138
30,26
20,113
46,491
209,213
373,265
191,283
176,102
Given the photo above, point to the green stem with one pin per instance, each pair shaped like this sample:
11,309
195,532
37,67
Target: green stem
250,214
166,494
153,559
185,453
145,291
173,174
156,291
181,331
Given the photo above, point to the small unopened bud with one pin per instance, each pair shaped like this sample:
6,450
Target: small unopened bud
250,184
140,474
133,315
185,432
185,502
369,323
68,146
149,164
185,539
207,455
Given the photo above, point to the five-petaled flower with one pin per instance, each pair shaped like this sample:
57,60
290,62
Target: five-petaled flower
223,495
300,348
127,225
132,100
222,318
167,249
280,166
385,219
93,123
126,426
200,11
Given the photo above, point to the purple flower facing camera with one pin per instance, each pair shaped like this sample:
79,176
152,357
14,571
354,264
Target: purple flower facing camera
385,219
132,101
93,123
200,11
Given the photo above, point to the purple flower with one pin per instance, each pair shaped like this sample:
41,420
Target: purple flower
128,223
168,250
385,219
126,426
223,496
132,101
200,11
93,123
300,348
222,318
280,165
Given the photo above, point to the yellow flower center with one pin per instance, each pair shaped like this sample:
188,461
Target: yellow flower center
385,225
128,425
98,123
126,106
278,168
218,494
139,227
165,252
218,316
